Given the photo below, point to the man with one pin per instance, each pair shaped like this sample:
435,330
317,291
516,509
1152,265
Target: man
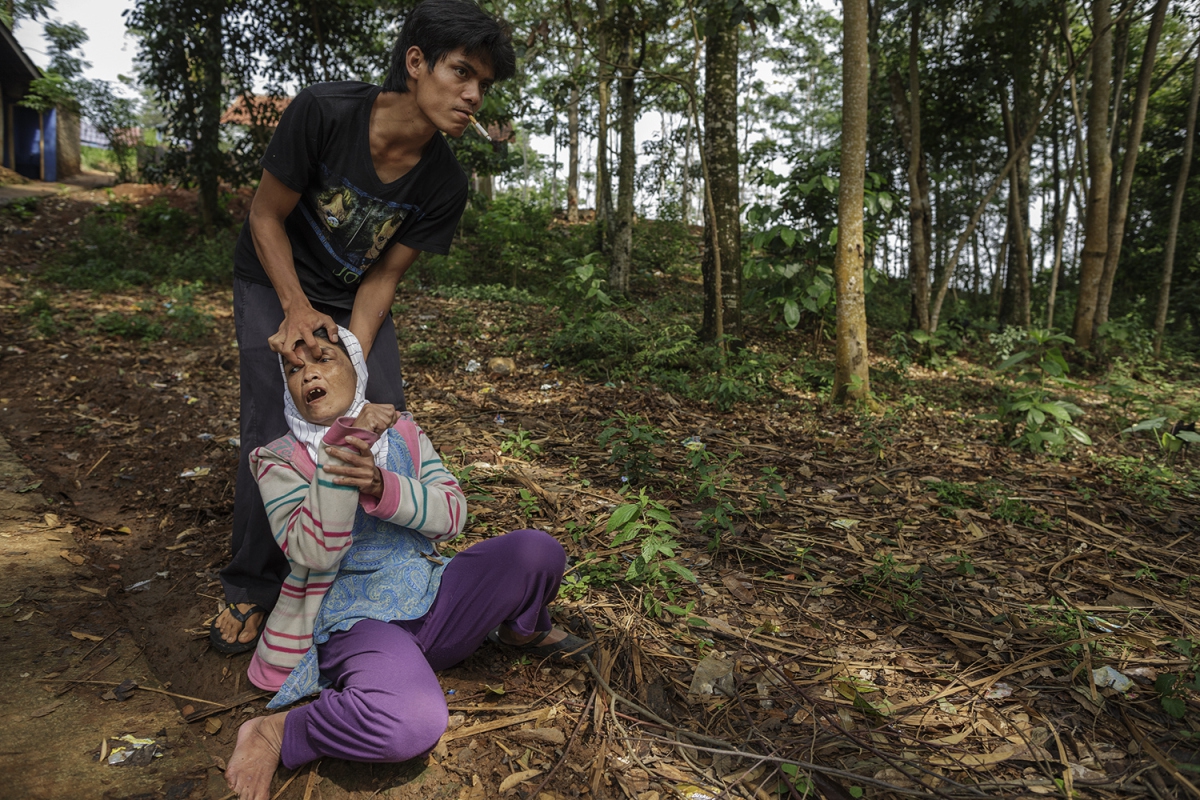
356,181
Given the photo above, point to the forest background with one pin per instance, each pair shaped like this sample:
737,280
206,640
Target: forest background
988,154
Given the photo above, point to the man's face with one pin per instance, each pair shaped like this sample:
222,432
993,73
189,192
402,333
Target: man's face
452,91
323,386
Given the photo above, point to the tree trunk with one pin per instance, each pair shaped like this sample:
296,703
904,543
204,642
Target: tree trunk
622,224
685,199
1164,292
1120,207
908,120
1059,222
1120,54
851,379
1095,241
573,139
1015,309
208,143
603,184
690,129
998,273
721,155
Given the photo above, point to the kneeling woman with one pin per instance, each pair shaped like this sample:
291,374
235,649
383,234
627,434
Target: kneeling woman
357,498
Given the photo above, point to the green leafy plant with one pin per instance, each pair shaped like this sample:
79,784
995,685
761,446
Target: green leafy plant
427,354
936,349
591,571
117,246
710,477
890,580
1015,511
1030,417
768,486
962,564
630,440
1174,687
787,268
584,285
1061,623
1150,482
518,444
805,562
649,523
529,505
1145,573
794,782
126,326
186,323
1170,443
954,495
22,209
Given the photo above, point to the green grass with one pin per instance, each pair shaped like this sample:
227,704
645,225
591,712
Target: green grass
99,159
120,246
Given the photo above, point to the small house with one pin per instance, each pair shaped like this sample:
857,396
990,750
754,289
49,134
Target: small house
43,146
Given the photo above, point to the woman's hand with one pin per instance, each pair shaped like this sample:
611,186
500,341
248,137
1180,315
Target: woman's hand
358,466
376,417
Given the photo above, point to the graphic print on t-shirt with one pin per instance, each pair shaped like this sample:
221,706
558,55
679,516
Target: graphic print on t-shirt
354,226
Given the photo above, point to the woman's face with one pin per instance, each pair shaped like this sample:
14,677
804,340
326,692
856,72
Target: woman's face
323,387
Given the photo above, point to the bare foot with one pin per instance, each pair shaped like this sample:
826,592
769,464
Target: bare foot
508,637
256,757
232,630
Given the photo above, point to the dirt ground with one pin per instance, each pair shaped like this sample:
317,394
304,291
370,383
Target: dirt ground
870,626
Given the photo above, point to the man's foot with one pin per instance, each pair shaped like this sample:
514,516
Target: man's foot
256,757
236,628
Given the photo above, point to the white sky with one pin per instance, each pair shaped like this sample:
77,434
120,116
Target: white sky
108,48
110,51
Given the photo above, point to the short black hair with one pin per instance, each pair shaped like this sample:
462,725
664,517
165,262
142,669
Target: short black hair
439,27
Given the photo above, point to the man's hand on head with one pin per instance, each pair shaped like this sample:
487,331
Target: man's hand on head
297,328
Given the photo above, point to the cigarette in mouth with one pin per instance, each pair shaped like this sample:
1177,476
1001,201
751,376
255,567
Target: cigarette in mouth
482,130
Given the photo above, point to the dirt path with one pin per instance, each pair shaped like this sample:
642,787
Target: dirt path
85,182
56,627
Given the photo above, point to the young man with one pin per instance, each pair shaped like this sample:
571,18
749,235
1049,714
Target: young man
356,181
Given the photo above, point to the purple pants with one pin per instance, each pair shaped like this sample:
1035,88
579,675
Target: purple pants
386,703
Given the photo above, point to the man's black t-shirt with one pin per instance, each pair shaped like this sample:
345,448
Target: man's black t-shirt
346,217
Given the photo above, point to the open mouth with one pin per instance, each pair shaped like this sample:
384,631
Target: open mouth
314,394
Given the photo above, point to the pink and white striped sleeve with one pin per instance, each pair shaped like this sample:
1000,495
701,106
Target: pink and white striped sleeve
311,521
432,504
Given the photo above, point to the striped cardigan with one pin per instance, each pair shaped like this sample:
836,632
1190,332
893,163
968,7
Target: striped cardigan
312,520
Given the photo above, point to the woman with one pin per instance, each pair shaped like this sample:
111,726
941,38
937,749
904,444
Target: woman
358,498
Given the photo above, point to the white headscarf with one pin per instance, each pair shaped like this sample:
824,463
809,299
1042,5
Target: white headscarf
312,435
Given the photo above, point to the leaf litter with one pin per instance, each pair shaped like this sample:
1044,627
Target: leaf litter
937,615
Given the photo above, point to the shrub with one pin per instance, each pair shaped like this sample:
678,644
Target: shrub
119,246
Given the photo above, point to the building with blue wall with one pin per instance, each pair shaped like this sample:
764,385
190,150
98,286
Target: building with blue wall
41,146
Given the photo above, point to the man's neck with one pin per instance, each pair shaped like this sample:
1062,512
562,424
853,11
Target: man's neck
398,126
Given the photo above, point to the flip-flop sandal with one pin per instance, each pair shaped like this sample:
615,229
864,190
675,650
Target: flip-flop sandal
218,643
570,647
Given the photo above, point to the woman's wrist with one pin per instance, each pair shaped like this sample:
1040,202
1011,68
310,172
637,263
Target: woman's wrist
376,487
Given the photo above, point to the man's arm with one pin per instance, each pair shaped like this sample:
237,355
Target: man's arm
375,294
270,208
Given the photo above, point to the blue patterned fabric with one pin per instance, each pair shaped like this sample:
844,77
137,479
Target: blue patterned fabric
388,573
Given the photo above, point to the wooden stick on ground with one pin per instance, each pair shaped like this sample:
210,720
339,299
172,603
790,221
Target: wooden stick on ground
495,725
